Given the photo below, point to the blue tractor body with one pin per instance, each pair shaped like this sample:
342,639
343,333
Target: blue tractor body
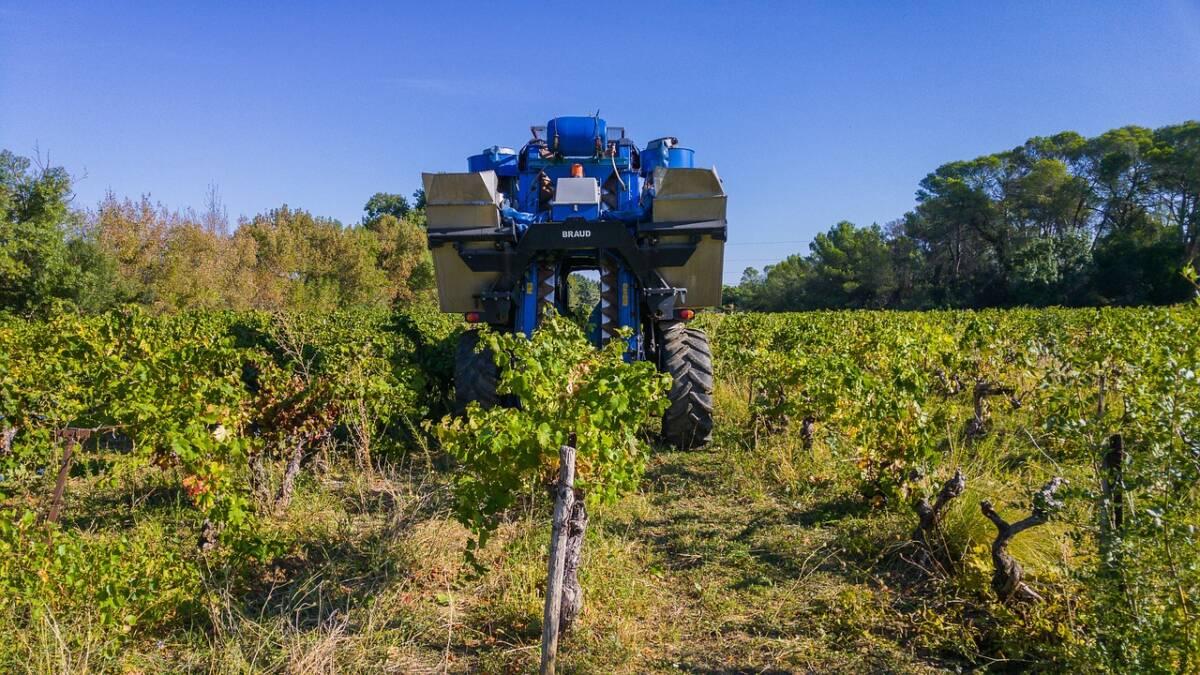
580,195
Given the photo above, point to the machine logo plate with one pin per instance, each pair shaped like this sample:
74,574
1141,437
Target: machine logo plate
576,234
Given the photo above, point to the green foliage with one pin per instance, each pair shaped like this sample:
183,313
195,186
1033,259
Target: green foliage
894,394
852,267
1061,220
872,384
401,253
887,398
385,203
190,399
57,572
583,296
40,261
565,392
1137,381
200,393
54,257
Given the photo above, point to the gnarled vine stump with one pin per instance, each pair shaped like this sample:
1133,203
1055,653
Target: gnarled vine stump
1007,577
978,426
931,515
808,428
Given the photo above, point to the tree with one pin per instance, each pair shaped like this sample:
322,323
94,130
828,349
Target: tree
385,204
170,260
1175,168
955,226
400,246
851,267
401,253
1046,209
305,262
784,287
908,268
40,259
583,295
1119,173
744,295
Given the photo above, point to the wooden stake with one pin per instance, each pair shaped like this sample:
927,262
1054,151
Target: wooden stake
56,501
71,436
1112,511
564,500
572,591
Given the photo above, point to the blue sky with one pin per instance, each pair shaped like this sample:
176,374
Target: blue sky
812,113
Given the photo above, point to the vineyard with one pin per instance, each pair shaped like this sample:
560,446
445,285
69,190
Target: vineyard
217,492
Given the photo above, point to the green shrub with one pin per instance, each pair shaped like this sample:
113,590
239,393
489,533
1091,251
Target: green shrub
566,392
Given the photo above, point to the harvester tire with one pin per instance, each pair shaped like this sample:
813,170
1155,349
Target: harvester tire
476,375
683,353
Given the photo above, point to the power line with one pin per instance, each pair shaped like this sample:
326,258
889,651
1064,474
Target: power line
731,274
757,243
766,257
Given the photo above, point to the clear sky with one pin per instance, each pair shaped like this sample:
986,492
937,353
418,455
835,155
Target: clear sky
812,113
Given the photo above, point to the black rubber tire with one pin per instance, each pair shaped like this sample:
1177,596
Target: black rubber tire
684,354
476,376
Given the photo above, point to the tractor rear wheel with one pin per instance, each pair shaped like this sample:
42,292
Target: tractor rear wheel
476,376
684,354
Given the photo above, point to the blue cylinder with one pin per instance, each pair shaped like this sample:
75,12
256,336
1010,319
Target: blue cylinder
681,158
576,136
501,160
667,153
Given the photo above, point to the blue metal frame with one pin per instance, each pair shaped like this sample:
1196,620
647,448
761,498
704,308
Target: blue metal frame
572,141
527,302
627,303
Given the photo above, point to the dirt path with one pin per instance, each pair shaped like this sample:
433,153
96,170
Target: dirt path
757,585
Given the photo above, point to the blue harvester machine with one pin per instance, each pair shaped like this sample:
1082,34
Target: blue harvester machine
580,195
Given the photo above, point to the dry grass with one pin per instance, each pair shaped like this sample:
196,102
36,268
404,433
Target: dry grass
742,557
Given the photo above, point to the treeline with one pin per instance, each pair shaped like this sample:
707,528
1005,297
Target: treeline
1063,220
55,256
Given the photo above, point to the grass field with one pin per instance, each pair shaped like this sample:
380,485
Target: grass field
761,552
711,567
706,569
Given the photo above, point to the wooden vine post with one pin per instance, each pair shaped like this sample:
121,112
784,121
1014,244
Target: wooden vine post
563,502
71,437
1112,497
1112,522
572,590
